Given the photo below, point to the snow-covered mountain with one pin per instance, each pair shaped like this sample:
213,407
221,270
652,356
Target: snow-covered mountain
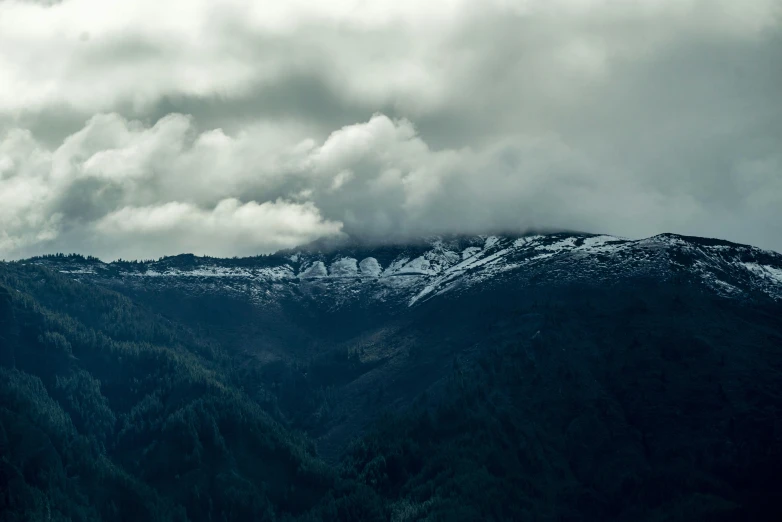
664,333
335,276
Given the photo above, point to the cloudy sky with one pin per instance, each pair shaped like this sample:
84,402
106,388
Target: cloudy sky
143,128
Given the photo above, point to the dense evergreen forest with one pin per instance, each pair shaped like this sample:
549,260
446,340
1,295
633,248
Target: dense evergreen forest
645,404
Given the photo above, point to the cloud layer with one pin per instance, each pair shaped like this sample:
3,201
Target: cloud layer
144,128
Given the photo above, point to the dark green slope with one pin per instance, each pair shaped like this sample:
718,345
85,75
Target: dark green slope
110,412
636,401
644,403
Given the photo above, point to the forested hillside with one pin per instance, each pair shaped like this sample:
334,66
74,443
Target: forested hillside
110,412
639,402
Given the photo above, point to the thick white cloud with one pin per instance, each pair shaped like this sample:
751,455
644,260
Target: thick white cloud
120,189
203,118
231,226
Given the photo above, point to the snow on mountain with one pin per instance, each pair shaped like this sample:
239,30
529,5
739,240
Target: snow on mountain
409,275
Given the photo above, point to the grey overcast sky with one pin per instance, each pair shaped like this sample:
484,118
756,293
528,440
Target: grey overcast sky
143,128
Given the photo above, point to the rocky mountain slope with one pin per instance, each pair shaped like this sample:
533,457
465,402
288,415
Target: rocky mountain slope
342,275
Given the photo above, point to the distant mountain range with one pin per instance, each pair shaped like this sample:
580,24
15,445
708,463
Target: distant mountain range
543,377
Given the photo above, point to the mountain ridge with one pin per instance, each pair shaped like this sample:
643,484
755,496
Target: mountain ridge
410,273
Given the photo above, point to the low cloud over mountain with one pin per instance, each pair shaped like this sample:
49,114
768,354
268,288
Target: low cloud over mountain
243,128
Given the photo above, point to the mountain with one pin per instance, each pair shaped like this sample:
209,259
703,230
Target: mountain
542,377
372,304
336,276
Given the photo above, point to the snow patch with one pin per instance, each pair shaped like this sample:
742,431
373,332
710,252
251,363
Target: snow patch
397,265
419,265
78,271
468,252
601,243
765,271
565,244
316,269
370,267
526,240
490,242
345,267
